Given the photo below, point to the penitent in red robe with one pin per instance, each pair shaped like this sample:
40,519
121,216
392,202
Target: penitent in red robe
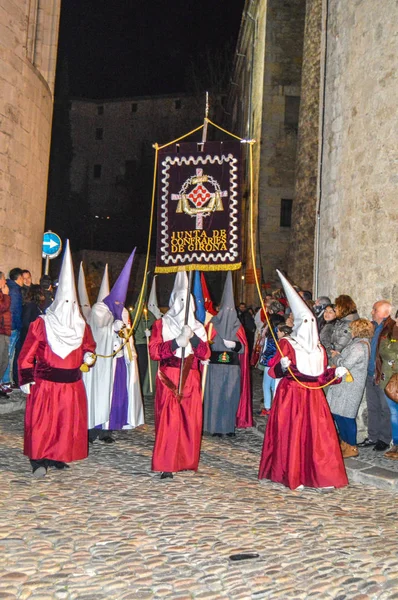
178,425
56,408
301,446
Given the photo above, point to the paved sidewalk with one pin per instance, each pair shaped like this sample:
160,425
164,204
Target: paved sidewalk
16,401
369,468
109,529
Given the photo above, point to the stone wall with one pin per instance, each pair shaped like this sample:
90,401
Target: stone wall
265,84
359,209
282,79
28,45
301,250
111,133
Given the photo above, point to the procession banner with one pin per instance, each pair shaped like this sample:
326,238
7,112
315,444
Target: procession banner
199,207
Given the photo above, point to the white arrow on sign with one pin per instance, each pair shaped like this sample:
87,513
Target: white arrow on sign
51,243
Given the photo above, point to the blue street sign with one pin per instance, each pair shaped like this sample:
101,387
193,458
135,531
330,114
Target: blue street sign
52,245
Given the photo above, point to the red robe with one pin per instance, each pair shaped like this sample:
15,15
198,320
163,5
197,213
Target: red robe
56,408
301,446
244,414
178,425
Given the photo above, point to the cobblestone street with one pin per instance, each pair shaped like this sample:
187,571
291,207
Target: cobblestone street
109,528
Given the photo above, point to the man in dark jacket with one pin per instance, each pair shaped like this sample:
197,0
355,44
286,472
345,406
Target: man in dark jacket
14,283
379,416
5,328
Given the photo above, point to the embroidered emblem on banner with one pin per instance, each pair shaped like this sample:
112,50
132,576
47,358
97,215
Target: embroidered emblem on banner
203,201
199,209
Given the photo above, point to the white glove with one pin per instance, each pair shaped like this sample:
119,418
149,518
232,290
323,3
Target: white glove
89,359
182,340
147,333
229,344
340,372
205,362
26,388
285,362
187,331
118,325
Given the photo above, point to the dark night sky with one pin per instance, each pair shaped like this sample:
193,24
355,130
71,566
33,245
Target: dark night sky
121,48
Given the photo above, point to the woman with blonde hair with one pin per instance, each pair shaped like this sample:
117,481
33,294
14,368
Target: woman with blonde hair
344,400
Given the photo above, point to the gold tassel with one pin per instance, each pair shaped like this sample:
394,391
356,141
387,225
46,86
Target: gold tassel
84,368
349,378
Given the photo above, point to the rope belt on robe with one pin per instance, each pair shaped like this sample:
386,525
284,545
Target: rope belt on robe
172,386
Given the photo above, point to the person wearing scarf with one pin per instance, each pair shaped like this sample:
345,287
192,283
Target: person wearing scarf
49,363
178,413
301,446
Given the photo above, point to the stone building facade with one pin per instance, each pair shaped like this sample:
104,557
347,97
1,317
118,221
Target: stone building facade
346,225
264,105
358,234
113,157
28,49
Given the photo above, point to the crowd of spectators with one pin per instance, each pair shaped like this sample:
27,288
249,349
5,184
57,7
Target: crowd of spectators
368,349
21,302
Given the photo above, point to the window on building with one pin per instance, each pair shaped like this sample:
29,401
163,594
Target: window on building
286,212
99,133
292,108
100,110
178,104
134,107
97,170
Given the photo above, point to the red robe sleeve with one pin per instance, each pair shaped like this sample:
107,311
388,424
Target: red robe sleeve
26,359
244,415
287,350
158,349
88,343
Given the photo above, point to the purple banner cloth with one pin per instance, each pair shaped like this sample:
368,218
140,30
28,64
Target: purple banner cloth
199,207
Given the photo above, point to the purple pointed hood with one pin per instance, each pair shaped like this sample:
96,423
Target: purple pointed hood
117,297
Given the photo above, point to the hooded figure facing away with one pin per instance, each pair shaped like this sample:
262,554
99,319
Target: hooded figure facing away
113,389
227,398
301,447
49,372
178,417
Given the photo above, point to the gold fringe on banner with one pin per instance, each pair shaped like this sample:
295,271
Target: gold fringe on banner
199,267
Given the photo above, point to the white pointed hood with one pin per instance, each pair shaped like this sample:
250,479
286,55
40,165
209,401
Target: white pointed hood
63,321
152,301
309,354
84,301
173,320
104,289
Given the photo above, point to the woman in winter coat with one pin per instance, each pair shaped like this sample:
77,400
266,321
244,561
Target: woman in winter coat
346,312
344,399
326,328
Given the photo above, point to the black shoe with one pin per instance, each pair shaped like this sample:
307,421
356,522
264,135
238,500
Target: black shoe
217,435
231,434
3,394
108,439
166,475
380,446
366,443
57,464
